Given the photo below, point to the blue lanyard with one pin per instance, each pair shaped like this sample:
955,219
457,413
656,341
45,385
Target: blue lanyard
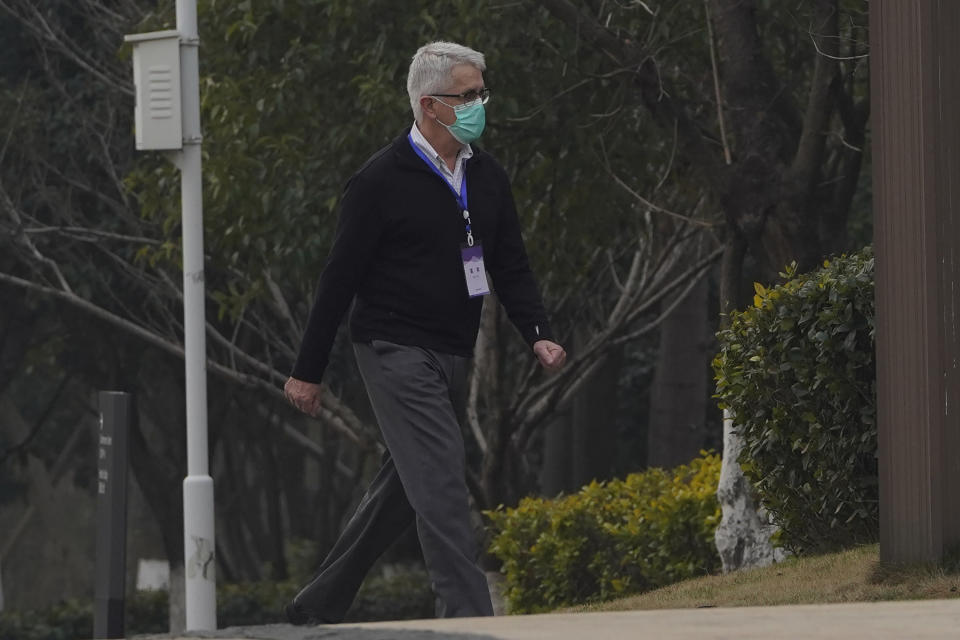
461,197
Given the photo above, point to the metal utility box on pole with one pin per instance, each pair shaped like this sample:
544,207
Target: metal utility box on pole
156,79
915,98
198,515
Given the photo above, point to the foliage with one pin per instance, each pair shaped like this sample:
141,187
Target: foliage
610,539
252,603
797,371
296,93
66,621
146,612
403,594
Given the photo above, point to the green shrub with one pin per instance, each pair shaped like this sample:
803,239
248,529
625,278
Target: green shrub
797,372
610,539
148,612
253,603
67,620
404,594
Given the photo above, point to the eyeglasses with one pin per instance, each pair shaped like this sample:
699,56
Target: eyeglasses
467,96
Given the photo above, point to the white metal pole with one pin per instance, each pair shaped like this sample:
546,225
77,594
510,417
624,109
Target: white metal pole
198,521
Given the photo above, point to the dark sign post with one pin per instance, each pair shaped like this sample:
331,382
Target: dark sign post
116,412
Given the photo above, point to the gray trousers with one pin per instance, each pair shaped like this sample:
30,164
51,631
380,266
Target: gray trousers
421,480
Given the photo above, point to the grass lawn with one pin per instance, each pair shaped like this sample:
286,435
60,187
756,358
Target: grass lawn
849,576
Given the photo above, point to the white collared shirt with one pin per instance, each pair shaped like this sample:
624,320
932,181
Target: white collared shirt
455,177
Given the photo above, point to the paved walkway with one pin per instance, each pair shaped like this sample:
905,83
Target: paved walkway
916,620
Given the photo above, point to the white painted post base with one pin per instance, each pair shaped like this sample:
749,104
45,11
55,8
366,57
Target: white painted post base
199,554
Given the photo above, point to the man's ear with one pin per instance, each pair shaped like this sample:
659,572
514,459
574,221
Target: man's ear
426,104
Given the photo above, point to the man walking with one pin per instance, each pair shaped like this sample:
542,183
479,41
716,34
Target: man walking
421,225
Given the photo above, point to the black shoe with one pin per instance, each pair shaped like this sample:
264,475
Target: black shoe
299,616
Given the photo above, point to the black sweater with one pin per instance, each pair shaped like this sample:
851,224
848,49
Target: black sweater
397,251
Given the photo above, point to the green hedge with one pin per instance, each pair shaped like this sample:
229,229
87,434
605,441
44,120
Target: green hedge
797,371
405,594
610,539
65,621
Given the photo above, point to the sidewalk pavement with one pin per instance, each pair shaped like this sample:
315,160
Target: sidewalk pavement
910,620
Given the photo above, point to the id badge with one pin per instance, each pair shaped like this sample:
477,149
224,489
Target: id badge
474,271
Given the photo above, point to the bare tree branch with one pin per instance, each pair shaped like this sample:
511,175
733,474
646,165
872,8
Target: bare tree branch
537,404
655,94
34,21
334,413
716,85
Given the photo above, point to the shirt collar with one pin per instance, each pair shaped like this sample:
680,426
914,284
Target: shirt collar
466,151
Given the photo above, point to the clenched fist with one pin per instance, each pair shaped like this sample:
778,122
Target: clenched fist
550,354
305,396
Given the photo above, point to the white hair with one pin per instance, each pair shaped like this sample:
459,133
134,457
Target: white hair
432,67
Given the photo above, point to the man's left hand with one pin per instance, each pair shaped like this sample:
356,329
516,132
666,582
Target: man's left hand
550,354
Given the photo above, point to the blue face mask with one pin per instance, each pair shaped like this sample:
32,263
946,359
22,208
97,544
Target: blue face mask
471,119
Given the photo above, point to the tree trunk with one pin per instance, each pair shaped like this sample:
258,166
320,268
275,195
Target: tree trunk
772,206
677,429
498,484
555,476
579,445
157,470
594,425
275,529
